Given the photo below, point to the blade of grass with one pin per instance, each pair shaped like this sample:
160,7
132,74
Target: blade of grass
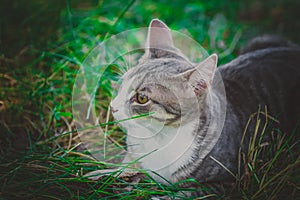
90,127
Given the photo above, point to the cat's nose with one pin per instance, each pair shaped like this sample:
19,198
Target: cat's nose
113,110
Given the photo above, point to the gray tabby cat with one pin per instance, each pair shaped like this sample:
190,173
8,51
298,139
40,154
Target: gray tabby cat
172,141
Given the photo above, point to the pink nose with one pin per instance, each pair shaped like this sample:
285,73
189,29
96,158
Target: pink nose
113,110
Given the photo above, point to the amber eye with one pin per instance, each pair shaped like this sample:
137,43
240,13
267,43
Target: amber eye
141,99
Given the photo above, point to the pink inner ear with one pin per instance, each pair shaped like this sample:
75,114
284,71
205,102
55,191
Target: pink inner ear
200,86
158,24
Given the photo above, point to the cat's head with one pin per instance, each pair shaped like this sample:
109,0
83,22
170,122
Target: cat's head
164,83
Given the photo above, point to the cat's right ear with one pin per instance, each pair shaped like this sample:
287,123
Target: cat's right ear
159,40
201,77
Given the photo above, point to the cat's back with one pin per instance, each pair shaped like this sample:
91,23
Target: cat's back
276,65
268,76
265,53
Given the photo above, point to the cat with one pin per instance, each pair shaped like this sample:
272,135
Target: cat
180,138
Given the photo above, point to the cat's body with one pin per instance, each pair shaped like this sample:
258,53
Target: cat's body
173,141
268,77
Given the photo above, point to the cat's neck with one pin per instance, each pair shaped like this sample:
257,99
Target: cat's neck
170,148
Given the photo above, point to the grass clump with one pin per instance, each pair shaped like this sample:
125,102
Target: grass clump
271,162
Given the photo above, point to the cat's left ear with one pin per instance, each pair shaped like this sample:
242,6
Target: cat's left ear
201,76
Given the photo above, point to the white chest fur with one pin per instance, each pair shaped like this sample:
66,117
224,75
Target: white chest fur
163,151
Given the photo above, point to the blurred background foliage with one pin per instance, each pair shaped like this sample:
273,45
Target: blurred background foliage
46,23
43,43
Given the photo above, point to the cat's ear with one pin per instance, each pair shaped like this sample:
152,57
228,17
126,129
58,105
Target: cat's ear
202,75
159,35
159,40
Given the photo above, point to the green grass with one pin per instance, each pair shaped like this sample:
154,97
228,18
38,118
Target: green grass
43,45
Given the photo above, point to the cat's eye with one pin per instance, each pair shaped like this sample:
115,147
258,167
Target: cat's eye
141,98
